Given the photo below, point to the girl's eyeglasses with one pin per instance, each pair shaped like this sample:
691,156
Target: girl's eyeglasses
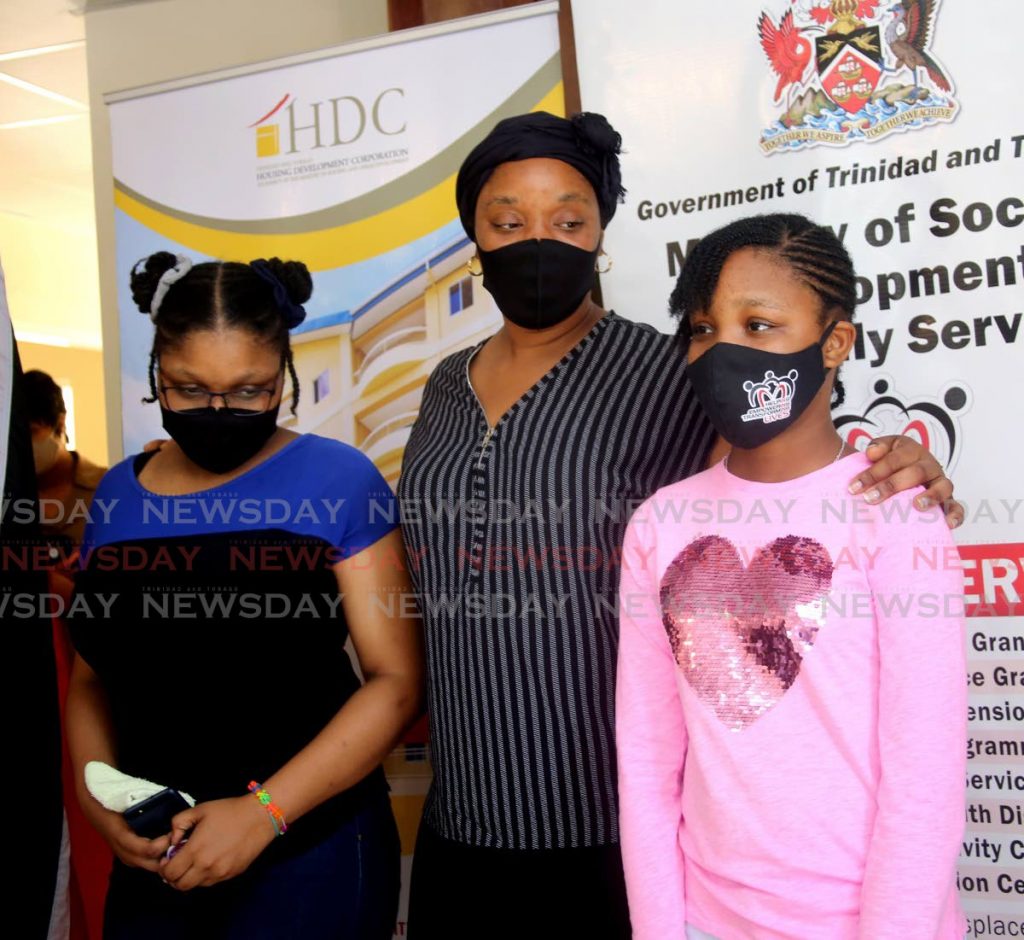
242,401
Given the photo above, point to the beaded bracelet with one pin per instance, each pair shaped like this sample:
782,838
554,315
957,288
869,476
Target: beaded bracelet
276,816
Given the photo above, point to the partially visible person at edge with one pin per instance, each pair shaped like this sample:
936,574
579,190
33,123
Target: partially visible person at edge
546,436
66,479
791,711
67,482
220,667
38,881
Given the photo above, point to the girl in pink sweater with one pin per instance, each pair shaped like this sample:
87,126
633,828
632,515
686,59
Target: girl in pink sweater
791,705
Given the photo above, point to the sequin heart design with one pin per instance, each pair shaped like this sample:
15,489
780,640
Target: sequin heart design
738,633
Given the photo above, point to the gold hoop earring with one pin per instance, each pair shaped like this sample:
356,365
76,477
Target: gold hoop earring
597,265
469,267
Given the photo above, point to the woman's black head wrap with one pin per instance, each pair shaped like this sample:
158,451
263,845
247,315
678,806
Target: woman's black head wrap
586,142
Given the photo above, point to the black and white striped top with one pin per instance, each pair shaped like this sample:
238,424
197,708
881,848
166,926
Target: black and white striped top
513,538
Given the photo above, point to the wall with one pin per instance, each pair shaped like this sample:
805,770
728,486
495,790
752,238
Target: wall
51,280
53,297
82,369
157,41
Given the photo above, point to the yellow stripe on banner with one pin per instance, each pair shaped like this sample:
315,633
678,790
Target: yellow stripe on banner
324,249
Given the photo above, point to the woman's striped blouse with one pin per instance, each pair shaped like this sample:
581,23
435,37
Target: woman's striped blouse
513,536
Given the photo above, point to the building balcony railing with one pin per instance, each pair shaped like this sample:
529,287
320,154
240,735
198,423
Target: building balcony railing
391,435
411,334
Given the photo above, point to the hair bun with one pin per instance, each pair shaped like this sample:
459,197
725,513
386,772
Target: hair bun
292,286
145,277
295,277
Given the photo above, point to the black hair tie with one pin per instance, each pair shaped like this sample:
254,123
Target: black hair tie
292,312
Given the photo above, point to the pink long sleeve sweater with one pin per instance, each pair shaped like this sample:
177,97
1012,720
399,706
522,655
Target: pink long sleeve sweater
791,712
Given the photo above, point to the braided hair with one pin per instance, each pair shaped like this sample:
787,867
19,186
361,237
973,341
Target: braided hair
812,252
217,294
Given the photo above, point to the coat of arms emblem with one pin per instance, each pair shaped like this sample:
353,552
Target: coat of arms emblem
853,70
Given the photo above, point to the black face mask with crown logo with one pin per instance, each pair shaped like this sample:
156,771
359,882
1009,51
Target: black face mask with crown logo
752,396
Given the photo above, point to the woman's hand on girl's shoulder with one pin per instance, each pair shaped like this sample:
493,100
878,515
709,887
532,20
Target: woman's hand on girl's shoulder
901,463
224,838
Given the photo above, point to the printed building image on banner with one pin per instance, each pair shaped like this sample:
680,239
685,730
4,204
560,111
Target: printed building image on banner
366,369
894,123
347,162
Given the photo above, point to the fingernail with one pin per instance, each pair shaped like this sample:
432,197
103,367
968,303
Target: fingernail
923,502
872,496
855,487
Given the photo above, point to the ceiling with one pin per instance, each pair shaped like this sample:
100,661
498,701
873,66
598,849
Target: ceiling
45,149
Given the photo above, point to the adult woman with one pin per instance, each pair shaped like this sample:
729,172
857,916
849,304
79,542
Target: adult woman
547,435
239,555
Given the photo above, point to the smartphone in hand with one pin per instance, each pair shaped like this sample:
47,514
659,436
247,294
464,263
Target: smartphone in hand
152,817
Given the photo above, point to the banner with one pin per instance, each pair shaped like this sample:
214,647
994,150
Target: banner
895,124
344,159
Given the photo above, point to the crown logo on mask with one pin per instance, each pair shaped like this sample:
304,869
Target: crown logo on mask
771,399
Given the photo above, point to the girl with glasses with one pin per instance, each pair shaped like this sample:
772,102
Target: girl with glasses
215,601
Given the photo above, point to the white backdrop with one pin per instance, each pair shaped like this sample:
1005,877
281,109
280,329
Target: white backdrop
937,239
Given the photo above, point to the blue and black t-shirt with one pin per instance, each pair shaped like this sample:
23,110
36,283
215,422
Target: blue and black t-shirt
215,619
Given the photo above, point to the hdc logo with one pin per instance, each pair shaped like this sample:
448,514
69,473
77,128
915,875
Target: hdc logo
333,122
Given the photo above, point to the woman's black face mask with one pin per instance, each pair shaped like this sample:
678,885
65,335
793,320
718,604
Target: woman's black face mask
539,282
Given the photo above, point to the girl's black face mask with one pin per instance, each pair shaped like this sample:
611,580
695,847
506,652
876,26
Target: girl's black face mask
752,396
217,440
539,282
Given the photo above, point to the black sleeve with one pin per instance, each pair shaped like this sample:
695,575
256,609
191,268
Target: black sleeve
32,695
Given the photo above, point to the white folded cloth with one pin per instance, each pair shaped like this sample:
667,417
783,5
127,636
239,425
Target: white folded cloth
116,791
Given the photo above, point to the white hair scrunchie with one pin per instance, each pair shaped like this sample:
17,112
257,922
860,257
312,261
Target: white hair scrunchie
169,277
